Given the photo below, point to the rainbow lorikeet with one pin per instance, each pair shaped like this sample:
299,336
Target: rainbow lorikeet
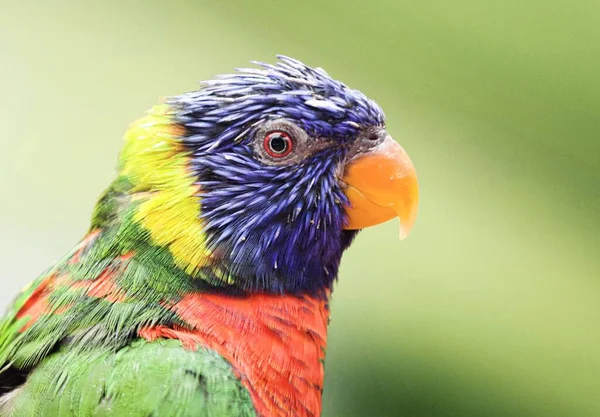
202,286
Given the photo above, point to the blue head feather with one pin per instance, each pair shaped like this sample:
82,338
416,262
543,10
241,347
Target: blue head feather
274,228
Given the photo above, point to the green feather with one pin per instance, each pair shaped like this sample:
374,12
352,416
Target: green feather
83,357
140,380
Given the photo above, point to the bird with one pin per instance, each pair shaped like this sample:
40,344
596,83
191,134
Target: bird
202,286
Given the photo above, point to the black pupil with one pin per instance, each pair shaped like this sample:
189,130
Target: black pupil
278,144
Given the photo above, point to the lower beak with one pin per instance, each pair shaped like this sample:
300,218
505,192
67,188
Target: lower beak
380,185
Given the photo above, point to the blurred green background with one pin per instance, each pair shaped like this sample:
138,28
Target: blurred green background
491,307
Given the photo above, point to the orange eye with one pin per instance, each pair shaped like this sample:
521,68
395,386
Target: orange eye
278,144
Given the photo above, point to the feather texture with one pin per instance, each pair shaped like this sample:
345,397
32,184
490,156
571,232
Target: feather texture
202,286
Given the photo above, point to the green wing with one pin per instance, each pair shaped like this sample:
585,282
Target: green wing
69,346
144,379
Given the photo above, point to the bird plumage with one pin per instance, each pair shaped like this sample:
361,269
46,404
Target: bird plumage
202,286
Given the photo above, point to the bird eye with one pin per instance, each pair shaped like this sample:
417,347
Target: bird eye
278,144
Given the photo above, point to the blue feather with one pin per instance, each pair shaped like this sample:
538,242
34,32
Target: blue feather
275,227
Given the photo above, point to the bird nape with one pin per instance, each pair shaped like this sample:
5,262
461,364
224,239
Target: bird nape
202,286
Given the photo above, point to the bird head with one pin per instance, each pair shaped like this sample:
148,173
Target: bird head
261,179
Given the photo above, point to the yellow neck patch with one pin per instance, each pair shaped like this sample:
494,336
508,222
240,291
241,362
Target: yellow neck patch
157,165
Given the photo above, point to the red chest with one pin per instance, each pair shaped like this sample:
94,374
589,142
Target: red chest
276,345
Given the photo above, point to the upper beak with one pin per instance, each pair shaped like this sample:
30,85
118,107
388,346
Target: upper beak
382,184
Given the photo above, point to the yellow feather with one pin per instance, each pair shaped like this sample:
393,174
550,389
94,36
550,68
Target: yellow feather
157,165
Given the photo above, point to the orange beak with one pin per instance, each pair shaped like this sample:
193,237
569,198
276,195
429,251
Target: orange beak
382,184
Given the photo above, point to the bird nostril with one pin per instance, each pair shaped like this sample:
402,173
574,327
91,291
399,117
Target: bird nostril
373,137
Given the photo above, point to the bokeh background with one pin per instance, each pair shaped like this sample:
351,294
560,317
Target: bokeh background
491,307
